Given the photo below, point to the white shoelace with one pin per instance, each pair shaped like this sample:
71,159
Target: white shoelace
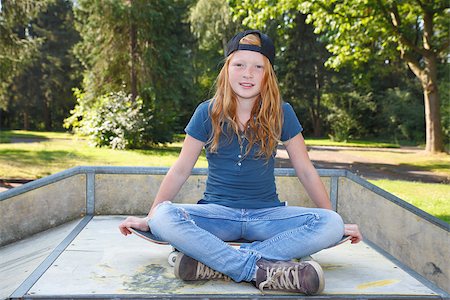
205,272
279,279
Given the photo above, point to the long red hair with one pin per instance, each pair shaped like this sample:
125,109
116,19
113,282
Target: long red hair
264,126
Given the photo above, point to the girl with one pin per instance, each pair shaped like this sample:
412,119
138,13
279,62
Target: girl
240,129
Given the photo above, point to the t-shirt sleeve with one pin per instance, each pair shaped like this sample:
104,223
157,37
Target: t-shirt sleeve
291,124
199,126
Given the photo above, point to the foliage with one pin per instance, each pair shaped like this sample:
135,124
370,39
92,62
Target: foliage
17,47
417,32
159,58
211,22
444,91
113,120
398,111
103,49
302,75
212,26
177,49
358,31
39,94
347,112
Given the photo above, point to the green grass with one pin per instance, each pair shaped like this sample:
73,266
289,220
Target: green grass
353,143
60,151
433,198
6,136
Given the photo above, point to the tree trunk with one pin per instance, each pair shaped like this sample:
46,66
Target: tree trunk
133,54
26,121
317,127
428,79
317,118
430,90
431,99
47,116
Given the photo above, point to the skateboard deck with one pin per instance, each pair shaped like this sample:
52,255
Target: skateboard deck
343,240
149,236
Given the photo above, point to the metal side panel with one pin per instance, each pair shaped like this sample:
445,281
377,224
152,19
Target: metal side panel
42,268
19,259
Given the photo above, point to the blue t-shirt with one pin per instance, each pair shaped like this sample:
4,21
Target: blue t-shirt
236,180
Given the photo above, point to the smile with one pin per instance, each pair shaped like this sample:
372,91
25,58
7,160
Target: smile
246,84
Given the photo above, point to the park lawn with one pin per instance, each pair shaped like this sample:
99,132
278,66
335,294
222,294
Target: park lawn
354,143
434,198
56,152
7,135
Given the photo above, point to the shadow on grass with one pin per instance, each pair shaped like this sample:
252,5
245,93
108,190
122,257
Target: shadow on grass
17,137
392,150
39,157
429,167
159,151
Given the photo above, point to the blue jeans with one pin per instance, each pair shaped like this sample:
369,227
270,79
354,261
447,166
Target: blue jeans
279,233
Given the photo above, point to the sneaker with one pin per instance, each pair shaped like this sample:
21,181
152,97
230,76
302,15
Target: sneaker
187,268
303,277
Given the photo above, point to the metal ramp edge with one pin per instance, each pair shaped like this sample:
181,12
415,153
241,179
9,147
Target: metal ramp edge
91,173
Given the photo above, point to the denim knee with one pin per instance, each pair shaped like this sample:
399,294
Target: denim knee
165,217
161,215
335,224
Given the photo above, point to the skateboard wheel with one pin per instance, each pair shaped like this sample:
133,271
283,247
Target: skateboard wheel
172,258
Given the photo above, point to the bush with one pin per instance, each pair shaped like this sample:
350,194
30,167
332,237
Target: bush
111,120
347,114
401,115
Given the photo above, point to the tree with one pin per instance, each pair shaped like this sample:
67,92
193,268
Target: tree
303,76
17,47
38,94
416,31
56,64
211,22
142,48
212,25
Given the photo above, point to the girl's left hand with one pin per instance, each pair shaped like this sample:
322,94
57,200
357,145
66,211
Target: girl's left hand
133,222
353,231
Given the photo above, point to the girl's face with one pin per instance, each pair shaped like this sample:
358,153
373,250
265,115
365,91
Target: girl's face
245,74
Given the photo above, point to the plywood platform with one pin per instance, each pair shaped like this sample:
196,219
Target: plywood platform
99,262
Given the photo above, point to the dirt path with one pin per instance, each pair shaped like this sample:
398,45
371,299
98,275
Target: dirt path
368,167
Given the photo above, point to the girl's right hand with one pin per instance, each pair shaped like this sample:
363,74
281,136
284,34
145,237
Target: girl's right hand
134,222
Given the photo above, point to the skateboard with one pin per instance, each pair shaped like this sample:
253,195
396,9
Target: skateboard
147,235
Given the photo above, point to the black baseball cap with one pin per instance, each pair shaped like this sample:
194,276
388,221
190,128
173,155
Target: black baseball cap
267,48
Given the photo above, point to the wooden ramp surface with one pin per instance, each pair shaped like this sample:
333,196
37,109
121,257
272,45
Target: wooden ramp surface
101,263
